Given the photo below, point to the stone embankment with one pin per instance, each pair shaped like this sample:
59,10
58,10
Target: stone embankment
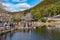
7,31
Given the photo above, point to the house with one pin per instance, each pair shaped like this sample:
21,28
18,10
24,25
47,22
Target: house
4,17
27,17
26,20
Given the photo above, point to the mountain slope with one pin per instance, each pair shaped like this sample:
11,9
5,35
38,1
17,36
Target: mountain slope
49,7
1,8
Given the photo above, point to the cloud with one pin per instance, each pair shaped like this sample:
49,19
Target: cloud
23,6
19,0
16,7
4,0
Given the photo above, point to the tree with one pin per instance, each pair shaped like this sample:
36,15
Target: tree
16,19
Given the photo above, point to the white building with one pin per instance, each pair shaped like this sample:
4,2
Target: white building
54,18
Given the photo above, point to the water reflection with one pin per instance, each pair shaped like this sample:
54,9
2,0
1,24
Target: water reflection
45,34
36,34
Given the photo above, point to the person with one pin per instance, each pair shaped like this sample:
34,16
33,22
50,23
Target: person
8,27
5,24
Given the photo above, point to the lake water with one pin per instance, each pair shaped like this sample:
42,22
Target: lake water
36,34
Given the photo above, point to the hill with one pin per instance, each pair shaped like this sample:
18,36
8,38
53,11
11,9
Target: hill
46,8
1,8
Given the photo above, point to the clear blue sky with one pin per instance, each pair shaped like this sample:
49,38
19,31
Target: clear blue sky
22,3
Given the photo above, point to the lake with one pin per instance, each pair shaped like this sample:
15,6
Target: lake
35,34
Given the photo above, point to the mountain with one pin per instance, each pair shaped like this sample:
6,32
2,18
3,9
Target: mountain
1,8
45,8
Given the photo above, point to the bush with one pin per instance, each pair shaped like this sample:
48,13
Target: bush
16,20
43,20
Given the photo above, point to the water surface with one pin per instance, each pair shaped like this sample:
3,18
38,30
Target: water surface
37,34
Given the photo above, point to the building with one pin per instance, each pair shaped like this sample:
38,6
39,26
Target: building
4,17
26,20
54,18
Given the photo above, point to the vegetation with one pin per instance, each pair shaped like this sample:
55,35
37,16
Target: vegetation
47,8
16,19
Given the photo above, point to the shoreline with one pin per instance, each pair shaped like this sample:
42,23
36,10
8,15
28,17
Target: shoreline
6,31
54,26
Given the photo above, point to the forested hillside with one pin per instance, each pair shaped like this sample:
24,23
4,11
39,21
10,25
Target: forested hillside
46,8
